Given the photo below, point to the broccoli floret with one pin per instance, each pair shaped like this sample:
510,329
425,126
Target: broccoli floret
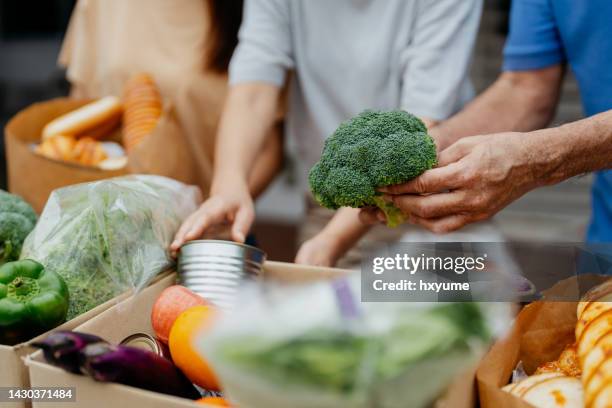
17,219
372,150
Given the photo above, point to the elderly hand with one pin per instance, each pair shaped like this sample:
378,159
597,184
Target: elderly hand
475,178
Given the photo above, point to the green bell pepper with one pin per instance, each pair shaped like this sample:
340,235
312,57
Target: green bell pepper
32,300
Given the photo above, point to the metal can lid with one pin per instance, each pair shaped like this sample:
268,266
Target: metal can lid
144,341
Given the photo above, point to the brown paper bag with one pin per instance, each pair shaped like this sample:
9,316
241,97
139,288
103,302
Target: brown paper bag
165,152
539,334
32,176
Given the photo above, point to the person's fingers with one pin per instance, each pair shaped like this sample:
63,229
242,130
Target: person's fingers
209,214
458,150
441,225
179,237
432,181
432,205
242,223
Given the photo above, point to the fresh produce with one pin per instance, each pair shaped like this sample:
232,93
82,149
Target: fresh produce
63,348
32,300
107,237
190,324
217,401
169,305
17,219
82,353
550,390
373,149
135,367
330,358
311,346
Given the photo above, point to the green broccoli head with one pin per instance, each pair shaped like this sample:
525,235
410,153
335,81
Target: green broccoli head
17,219
373,149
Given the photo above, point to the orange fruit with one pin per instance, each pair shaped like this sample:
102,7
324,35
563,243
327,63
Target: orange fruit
185,330
222,402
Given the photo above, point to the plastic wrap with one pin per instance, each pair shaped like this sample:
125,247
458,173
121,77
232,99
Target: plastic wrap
109,236
320,346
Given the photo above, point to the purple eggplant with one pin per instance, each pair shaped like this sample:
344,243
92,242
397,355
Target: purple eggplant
135,367
62,348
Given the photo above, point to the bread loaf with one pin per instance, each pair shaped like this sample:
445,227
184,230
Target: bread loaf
86,151
143,108
94,119
594,338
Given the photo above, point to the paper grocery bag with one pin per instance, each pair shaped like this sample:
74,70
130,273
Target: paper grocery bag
32,176
539,334
166,152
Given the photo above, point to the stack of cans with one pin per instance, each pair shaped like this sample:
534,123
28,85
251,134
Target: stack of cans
215,269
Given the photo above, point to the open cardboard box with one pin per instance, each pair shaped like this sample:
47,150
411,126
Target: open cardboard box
133,316
539,334
14,373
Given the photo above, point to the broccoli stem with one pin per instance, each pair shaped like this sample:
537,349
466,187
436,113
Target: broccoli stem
393,214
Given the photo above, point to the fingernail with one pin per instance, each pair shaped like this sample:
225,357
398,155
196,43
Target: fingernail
240,236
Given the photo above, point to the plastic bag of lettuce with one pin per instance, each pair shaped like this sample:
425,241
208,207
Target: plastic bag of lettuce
109,236
319,347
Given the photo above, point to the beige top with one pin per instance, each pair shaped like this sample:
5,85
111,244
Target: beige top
110,40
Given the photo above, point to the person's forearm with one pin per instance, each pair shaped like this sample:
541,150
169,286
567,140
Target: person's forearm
248,117
344,229
269,162
517,101
572,149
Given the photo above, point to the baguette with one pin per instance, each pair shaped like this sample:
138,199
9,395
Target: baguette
143,108
86,119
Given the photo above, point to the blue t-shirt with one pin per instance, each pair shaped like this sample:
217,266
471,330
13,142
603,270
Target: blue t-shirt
579,32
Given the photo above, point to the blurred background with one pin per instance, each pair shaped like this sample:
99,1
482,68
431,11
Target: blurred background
31,33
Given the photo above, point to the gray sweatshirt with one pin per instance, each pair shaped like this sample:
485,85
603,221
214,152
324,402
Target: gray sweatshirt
351,55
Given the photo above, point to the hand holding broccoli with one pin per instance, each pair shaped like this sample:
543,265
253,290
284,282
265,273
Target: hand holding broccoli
477,176
372,150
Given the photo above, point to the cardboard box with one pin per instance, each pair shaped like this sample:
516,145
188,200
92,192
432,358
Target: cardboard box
165,153
539,334
133,315
14,372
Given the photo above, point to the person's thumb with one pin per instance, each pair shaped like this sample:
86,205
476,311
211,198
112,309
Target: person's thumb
242,222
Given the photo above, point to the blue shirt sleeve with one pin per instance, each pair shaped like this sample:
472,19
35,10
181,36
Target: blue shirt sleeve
534,41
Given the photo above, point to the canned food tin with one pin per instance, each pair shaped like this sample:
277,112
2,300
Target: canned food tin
215,269
146,342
